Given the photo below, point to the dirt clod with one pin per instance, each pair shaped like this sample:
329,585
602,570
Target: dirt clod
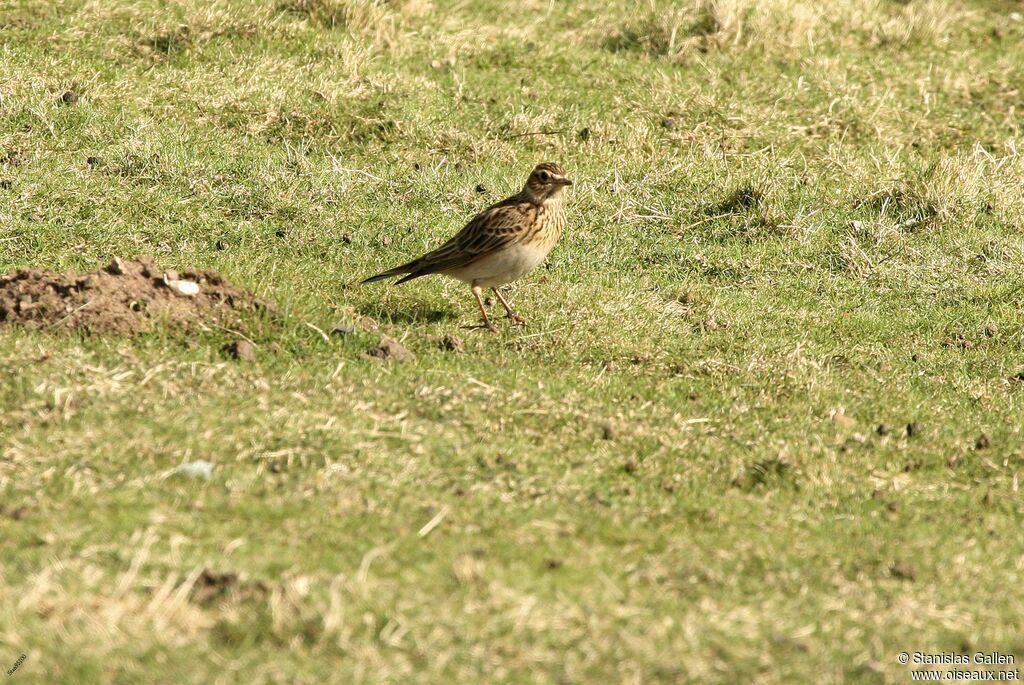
242,350
957,342
10,511
391,349
69,97
903,570
451,343
913,428
212,586
983,442
127,297
840,418
883,429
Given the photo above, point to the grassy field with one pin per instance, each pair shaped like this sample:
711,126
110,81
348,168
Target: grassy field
796,230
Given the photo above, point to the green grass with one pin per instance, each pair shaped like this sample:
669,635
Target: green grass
792,223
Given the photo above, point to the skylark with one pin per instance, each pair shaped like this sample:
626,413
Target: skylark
501,243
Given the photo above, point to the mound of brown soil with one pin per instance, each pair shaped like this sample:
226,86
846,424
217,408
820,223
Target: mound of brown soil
125,297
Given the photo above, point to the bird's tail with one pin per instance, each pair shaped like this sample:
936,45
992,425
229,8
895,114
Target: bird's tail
407,268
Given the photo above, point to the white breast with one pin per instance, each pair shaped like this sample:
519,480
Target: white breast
503,266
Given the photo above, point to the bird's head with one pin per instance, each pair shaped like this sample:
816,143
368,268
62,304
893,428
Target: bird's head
547,181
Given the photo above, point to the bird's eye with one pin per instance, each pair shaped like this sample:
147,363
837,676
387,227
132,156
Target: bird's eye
544,176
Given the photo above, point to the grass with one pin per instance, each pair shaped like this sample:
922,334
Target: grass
793,222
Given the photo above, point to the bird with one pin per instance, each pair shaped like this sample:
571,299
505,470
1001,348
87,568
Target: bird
500,244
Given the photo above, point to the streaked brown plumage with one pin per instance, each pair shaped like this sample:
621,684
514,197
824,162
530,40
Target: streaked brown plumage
501,243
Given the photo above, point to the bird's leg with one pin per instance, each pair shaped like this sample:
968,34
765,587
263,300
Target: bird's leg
487,321
516,319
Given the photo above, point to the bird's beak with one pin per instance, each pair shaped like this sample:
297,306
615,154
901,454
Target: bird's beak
565,181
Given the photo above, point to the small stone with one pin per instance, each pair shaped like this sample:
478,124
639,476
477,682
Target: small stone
94,161
390,349
116,267
983,442
280,233
901,569
668,485
195,469
913,429
631,466
342,329
991,330
584,134
607,432
242,350
69,97
220,245
883,429
668,123
346,239
5,184
480,188
187,288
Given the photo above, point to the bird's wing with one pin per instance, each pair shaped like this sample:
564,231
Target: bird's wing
490,231
493,229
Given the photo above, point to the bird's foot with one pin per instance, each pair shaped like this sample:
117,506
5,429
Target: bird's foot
516,319
490,327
